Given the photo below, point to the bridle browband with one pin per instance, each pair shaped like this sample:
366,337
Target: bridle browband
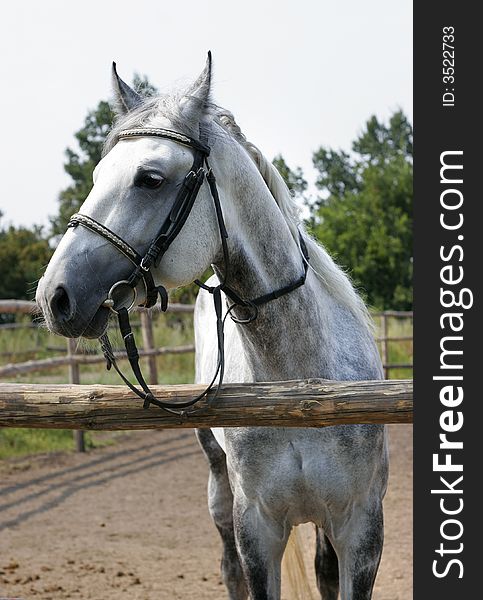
168,231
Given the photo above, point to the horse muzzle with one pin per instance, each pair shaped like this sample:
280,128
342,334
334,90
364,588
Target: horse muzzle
63,317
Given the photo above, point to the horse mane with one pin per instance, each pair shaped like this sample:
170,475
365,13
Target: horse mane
332,276
329,273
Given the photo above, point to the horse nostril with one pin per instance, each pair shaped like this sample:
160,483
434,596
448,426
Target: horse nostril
60,304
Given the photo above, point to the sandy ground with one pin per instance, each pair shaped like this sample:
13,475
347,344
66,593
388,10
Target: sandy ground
130,521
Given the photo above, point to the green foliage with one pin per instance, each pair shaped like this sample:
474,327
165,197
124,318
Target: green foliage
143,86
80,163
382,143
336,172
294,179
23,254
364,216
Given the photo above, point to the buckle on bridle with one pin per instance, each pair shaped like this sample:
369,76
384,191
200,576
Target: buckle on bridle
142,264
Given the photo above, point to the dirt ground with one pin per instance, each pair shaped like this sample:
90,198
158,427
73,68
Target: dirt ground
130,521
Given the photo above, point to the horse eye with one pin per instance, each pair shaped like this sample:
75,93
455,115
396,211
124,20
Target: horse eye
149,180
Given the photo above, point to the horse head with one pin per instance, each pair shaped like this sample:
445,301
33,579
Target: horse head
137,188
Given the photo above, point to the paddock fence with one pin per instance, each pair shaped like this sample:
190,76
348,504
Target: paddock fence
73,356
387,341
300,404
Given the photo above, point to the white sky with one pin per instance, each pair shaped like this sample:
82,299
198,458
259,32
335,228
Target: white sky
296,74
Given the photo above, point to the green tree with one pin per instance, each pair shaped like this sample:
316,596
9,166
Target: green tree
294,179
23,254
81,163
364,214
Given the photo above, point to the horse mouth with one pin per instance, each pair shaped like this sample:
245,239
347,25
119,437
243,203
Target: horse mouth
97,326
124,298
77,326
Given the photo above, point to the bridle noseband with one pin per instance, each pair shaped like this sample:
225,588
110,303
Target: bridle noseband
168,231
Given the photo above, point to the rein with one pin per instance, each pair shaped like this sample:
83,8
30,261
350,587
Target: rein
157,248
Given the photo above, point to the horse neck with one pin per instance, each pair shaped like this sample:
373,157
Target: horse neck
308,332
263,254
290,333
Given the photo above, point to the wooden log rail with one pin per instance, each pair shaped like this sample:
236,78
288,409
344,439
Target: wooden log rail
309,403
19,306
30,308
12,369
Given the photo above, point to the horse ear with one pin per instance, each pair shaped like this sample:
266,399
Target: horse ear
125,98
196,98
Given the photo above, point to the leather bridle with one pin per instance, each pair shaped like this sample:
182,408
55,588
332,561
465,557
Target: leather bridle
157,248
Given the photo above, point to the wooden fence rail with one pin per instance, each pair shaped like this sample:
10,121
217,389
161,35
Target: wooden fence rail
83,359
27,307
73,360
384,339
149,350
19,306
309,403
314,403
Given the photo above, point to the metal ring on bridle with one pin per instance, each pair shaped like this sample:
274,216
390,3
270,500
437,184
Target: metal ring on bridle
110,303
249,305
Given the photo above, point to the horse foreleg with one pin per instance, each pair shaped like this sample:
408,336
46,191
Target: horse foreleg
220,504
326,567
260,543
359,549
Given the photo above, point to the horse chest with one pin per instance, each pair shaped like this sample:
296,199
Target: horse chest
296,474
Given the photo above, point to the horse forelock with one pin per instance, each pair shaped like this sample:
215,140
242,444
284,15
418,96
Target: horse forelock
168,107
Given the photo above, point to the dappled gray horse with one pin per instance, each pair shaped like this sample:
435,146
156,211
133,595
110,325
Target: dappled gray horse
263,481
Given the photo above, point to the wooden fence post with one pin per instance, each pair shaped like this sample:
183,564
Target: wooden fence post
74,377
384,345
148,344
